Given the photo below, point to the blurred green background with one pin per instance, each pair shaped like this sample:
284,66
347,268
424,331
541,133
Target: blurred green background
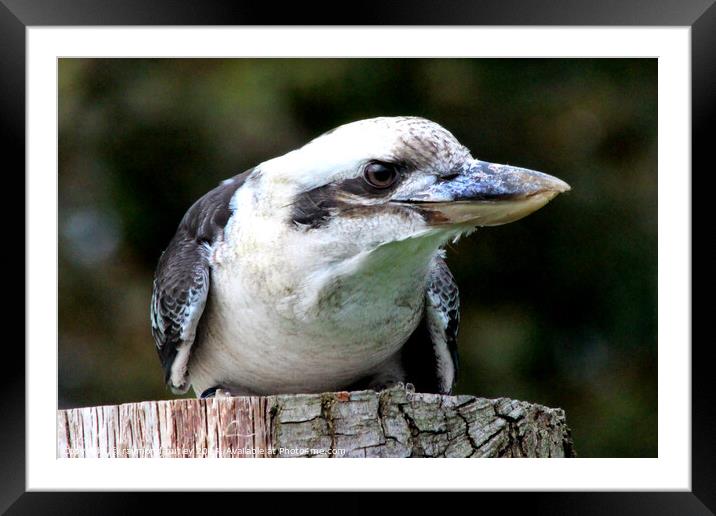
558,308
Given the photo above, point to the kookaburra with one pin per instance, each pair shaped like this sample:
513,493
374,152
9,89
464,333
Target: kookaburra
323,269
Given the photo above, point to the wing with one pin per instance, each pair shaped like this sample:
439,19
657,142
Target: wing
181,286
430,356
182,280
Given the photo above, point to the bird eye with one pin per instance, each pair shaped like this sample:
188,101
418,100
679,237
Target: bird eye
380,175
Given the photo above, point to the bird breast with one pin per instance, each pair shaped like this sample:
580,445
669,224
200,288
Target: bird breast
275,324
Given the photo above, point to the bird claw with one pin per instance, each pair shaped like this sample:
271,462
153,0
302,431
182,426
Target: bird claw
223,393
216,392
391,385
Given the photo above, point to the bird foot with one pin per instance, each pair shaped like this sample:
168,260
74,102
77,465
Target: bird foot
387,385
216,392
223,393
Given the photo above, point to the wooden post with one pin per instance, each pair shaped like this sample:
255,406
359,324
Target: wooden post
392,423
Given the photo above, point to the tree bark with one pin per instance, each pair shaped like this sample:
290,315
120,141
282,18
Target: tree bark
392,423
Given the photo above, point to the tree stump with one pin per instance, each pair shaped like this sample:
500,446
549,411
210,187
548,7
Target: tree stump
391,423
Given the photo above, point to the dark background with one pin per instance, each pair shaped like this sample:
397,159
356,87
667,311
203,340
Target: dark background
558,308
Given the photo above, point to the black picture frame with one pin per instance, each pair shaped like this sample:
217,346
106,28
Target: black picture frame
17,15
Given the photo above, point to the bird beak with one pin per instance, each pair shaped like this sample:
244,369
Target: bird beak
486,194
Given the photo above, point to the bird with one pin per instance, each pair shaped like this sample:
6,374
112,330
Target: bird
325,269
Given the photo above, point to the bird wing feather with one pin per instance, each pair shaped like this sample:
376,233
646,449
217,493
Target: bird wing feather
183,277
430,356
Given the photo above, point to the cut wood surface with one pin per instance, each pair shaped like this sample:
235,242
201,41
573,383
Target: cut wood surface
392,423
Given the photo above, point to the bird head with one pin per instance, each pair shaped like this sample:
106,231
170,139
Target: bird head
387,179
